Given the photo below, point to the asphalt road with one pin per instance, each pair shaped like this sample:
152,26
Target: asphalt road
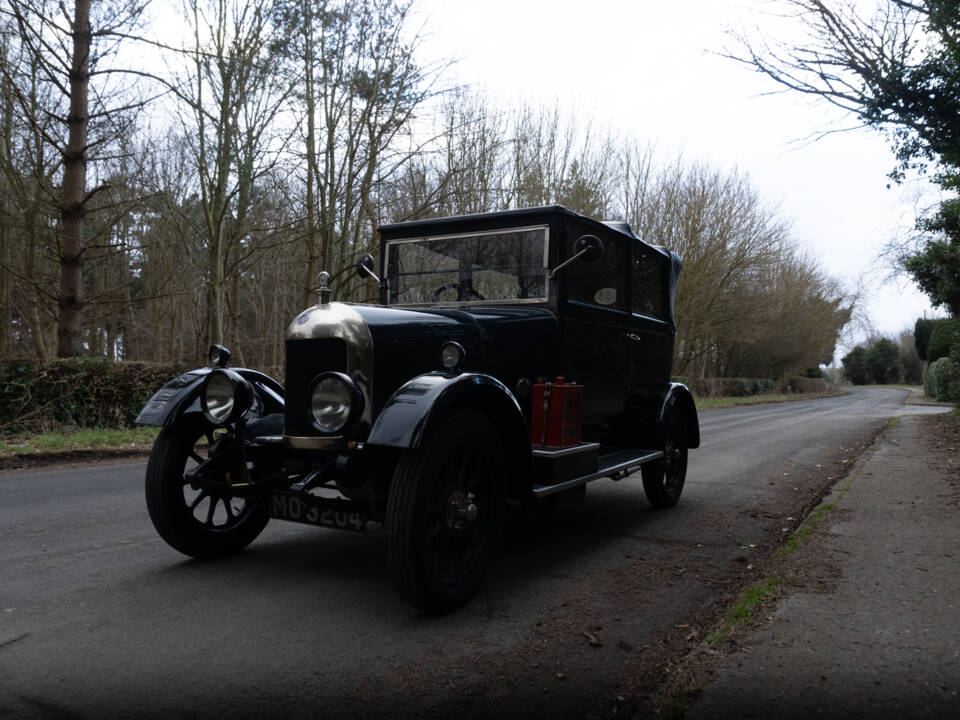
99,618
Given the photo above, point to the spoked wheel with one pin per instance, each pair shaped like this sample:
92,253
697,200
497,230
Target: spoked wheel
200,522
443,513
663,479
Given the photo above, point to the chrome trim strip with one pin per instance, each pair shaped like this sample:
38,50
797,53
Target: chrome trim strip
561,452
326,442
545,490
472,233
471,303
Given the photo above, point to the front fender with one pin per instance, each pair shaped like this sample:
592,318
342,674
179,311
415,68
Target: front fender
679,396
409,416
182,395
404,420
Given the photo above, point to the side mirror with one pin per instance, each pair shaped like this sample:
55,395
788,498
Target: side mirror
588,248
366,267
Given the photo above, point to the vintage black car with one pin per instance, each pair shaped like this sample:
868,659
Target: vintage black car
512,356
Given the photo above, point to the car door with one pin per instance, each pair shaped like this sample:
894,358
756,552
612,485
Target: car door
649,341
596,323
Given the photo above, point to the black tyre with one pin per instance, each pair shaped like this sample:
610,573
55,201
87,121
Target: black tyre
444,511
663,479
199,523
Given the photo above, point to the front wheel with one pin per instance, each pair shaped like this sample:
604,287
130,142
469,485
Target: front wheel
663,479
202,523
443,512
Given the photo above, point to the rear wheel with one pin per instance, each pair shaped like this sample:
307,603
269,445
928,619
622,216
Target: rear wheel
663,479
201,523
443,512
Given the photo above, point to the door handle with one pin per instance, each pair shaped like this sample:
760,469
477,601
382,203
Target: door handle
634,337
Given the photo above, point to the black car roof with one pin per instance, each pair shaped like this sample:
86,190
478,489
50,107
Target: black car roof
509,217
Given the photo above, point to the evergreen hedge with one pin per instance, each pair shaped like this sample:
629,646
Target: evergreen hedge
80,392
96,392
743,387
941,380
944,336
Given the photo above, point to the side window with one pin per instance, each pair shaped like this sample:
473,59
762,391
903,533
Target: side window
601,282
648,292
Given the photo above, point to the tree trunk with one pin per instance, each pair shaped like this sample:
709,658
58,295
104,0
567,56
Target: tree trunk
312,249
69,342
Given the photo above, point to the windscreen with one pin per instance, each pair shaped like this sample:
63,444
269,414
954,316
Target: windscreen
501,266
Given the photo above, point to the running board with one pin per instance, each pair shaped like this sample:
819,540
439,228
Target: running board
623,462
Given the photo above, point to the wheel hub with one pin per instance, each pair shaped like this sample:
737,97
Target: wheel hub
461,510
671,455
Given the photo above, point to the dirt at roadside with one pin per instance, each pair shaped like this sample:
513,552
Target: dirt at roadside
943,442
64,458
591,654
847,631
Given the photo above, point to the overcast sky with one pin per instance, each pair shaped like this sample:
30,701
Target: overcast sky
644,69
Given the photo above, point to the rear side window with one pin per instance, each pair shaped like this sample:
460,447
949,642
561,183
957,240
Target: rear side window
648,278
601,282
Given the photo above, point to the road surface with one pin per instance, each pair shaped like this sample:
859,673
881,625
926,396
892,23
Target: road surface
99,618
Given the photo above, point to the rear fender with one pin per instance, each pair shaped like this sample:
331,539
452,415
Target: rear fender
182,395
423,403
679,397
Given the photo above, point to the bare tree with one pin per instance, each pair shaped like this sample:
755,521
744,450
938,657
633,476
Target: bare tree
894,65
361,87
61,50
228,97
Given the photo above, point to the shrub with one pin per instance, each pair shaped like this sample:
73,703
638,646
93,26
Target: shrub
929,389
735,387
807,385
921,336
855,365
942,338
945,381
85,392
763,386
882,361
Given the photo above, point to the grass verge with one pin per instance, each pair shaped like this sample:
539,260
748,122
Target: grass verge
713,403
82,439
746,607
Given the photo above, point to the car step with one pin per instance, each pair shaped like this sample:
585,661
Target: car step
618,463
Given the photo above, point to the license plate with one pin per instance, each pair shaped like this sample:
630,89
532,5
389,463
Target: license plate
296,509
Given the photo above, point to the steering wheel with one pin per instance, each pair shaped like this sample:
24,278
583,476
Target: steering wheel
456,286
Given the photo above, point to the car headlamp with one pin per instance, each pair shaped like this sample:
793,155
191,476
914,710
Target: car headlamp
335,401
225,397
452,354
218,356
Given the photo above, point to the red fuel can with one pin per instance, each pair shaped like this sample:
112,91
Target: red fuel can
556,417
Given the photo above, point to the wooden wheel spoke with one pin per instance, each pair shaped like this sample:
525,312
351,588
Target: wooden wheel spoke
212,509
198,499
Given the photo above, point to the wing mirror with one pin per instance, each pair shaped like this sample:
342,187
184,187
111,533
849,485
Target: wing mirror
588,248
366,267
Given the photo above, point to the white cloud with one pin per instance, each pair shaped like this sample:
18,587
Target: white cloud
645,69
